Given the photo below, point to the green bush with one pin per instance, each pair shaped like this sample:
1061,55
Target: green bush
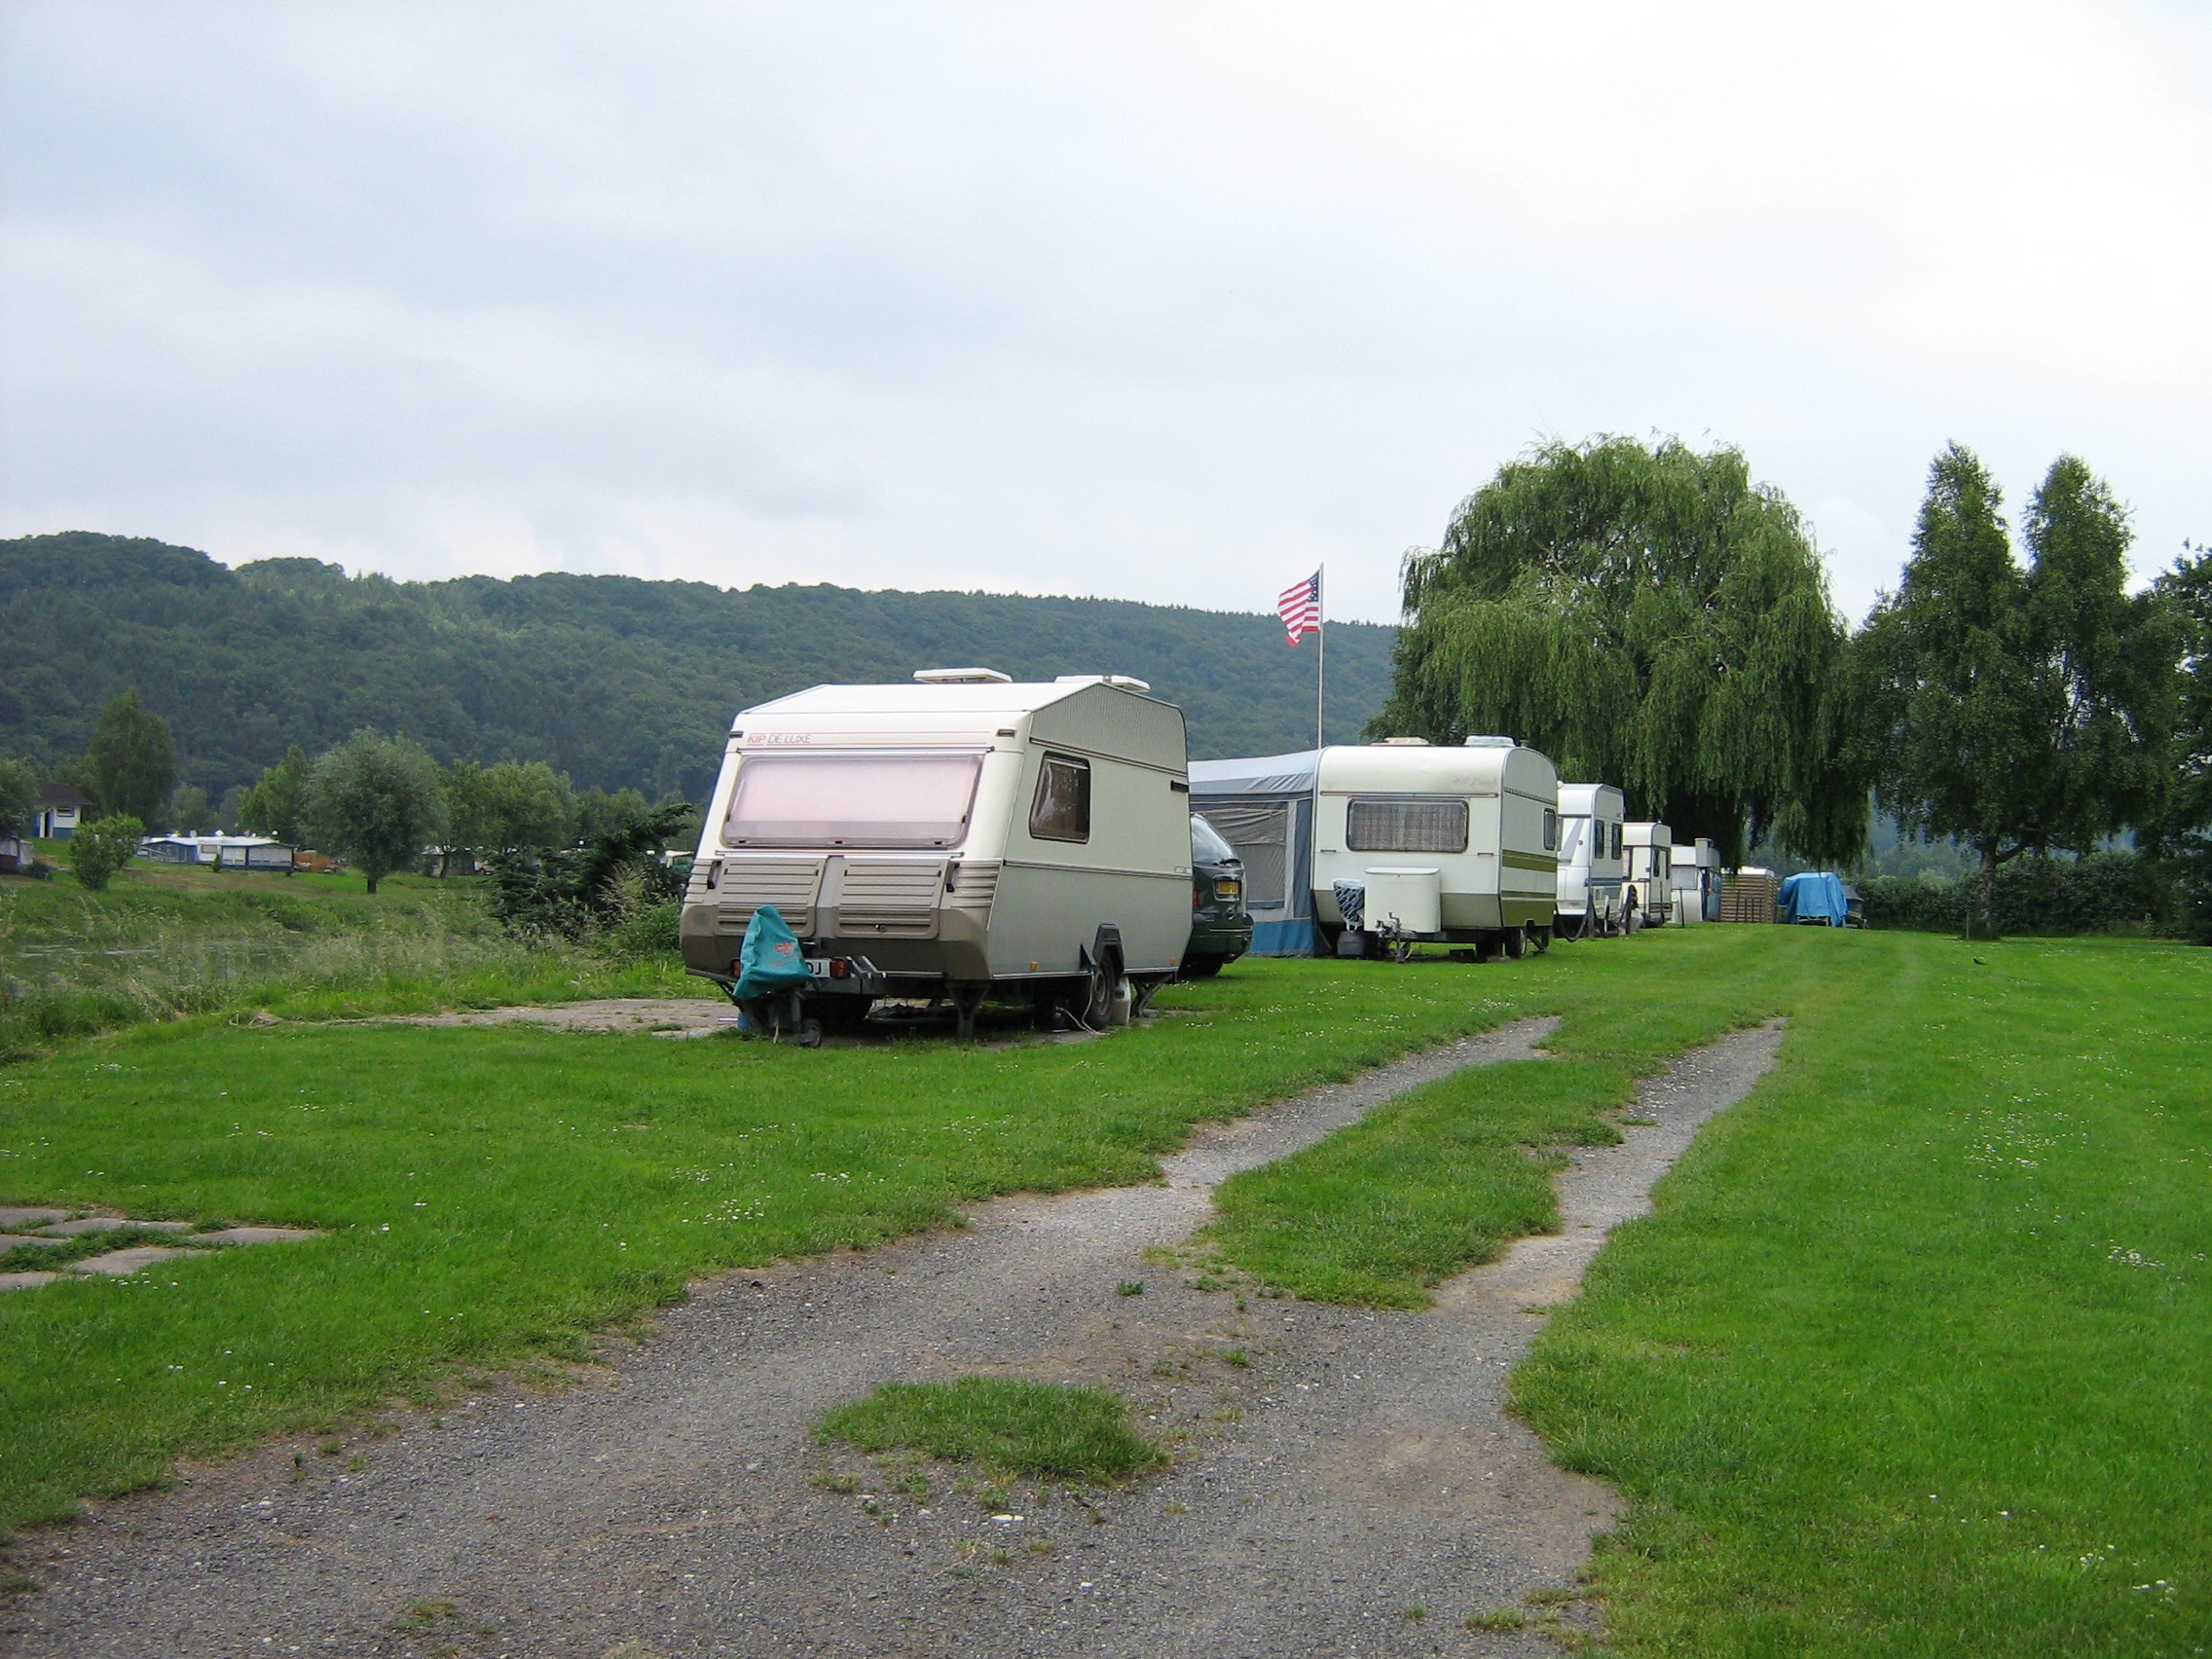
2103,893
645,934
102,847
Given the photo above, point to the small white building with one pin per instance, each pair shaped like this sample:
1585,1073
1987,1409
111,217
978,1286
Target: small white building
58,811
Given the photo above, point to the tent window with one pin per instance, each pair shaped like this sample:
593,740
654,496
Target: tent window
1061,811
1407,826
1260,835
1551,831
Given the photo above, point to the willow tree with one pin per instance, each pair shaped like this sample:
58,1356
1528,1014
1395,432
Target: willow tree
1647,618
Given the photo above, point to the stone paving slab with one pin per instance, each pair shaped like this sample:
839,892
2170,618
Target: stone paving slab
12,1218
8,1241
122,1264
111,1224
256,1235
25,1281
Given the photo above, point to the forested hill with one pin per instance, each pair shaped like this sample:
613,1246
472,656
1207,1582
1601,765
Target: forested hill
614,680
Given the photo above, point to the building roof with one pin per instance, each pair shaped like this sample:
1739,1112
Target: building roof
62,794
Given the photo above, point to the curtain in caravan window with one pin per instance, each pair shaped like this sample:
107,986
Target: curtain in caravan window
1426,826
1260,837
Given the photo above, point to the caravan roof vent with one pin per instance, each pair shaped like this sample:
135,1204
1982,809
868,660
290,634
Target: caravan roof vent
1401,743
1129,683
961,677
1488,743
1126,681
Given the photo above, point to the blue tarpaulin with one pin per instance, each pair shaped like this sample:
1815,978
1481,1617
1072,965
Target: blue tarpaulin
1815,896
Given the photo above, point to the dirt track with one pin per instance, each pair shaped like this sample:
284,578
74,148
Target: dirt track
1356,1469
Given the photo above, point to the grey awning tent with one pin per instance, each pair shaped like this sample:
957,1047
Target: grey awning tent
1264,808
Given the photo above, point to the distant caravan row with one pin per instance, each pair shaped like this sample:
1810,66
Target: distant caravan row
968,838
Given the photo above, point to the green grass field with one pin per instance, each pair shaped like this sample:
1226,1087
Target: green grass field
1954,1246
1915,1357
164,942
491,1192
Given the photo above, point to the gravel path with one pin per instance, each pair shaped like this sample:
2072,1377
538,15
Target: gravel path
1346,1484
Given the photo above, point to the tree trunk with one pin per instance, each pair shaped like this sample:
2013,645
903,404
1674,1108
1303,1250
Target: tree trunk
1980,922
372,886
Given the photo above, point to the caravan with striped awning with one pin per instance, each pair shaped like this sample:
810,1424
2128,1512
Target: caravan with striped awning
1454,845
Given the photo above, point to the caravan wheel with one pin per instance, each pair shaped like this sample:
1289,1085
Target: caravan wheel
1514,942
1108,995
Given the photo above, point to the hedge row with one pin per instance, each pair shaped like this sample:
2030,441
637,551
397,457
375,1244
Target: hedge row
2103,893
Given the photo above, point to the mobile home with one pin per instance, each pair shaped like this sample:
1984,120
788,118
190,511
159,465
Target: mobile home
222,852
962,837
1696,878
1590,864
1456,845
1648,874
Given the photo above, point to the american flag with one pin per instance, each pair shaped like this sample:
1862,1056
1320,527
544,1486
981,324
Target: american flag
1300,608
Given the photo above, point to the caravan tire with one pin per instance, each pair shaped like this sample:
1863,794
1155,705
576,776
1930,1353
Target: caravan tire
1514,942
1108,993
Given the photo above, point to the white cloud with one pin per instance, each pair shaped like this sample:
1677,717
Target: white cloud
1163,303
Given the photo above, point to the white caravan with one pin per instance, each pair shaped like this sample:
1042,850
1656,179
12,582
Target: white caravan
1647,875
1590,864
1696,872
965,836
1457,845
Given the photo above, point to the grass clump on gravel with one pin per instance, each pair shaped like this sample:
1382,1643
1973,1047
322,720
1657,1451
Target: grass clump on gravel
1013,1427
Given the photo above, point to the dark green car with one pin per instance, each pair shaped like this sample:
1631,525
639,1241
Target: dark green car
1221,927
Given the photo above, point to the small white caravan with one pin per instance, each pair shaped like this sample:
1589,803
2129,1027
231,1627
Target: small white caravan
1589,862
964,836
1647,877
1696,878
1449,844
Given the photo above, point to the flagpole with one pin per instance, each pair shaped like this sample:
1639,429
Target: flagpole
1320,657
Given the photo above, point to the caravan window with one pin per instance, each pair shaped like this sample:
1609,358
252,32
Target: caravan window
1616,840
1431,825
913,798
1551,831
1062,809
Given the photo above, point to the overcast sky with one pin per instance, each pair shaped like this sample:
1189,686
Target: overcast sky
1162,303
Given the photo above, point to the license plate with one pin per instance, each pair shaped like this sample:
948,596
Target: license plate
1229,889
817,967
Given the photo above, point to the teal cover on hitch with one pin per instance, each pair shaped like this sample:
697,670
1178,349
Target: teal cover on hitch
769,960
